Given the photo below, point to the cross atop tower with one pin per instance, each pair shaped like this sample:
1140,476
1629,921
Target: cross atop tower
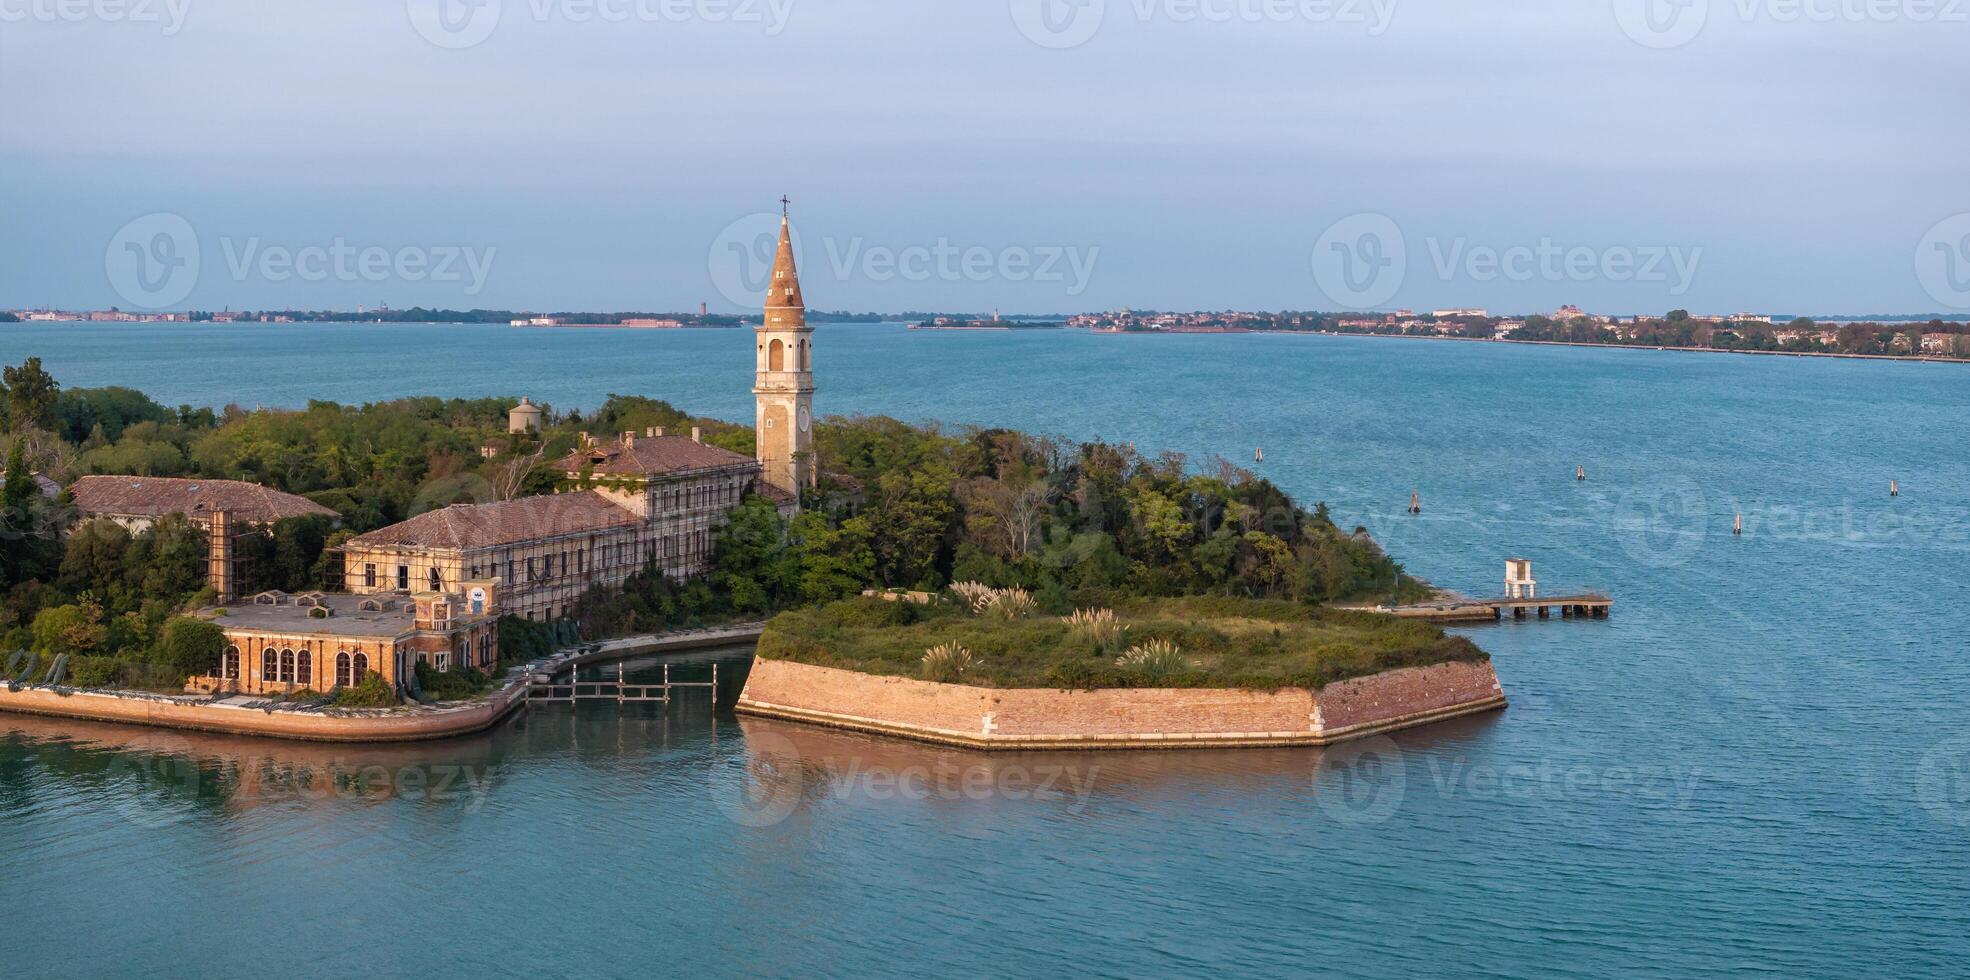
783,205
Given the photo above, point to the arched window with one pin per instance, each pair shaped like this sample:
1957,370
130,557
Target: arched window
269,666
437,581
360,665
806,357
342,677
304,668
776,356
287,665
229,664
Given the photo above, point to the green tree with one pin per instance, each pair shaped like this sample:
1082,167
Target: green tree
75,629
95,558
753,565
31,395
912,515
189,646
834,561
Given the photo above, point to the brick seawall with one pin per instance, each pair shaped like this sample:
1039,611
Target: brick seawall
1042,718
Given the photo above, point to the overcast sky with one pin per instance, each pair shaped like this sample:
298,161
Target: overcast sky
1031,155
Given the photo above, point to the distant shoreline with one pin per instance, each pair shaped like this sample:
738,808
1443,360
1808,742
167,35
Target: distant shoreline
1924,358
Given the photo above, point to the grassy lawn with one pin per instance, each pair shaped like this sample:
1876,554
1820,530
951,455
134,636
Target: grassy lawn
1218,641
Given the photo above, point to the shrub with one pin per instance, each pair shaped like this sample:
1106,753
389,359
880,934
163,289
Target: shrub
456,684
370,692
94,671
946,663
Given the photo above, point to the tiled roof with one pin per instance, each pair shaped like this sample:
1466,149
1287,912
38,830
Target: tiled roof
775,494
154,496
650,456
470,526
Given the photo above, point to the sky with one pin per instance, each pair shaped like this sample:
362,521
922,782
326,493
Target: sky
1786,156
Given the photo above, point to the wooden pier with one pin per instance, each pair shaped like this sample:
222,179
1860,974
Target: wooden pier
1585,605
546,688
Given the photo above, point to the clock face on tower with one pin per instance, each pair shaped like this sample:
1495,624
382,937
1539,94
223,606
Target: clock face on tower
803,418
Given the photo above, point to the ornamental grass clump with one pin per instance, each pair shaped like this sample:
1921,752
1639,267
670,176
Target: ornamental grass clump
1011,604
1099,626
1155,659
976,595
946,663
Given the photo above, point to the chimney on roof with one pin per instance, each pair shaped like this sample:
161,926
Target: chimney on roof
219,553
657,430
629,440
653,432
697,434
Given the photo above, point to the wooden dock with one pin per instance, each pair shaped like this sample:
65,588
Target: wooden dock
1584,605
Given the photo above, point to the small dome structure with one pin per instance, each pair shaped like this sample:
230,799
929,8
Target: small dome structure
524,417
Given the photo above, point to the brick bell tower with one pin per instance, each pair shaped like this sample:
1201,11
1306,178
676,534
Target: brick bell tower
783,378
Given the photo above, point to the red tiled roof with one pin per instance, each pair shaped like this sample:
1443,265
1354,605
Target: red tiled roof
470,526
155,496
650,456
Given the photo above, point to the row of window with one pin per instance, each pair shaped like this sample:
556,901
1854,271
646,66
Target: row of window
296,666
702,495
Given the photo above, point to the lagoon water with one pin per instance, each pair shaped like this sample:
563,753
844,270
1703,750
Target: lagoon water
1759,765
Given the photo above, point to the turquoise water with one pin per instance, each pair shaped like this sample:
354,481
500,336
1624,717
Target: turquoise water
1759,764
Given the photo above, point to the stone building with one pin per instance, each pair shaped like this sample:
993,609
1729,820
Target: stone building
783,378
136,502
280,644
623,503
545,551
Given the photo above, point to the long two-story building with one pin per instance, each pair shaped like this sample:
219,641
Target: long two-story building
623,504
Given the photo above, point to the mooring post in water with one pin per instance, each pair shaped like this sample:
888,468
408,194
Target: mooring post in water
1737,525
1415,501
1580,472
1894,488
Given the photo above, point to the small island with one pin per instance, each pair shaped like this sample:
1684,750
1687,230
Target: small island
981,668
